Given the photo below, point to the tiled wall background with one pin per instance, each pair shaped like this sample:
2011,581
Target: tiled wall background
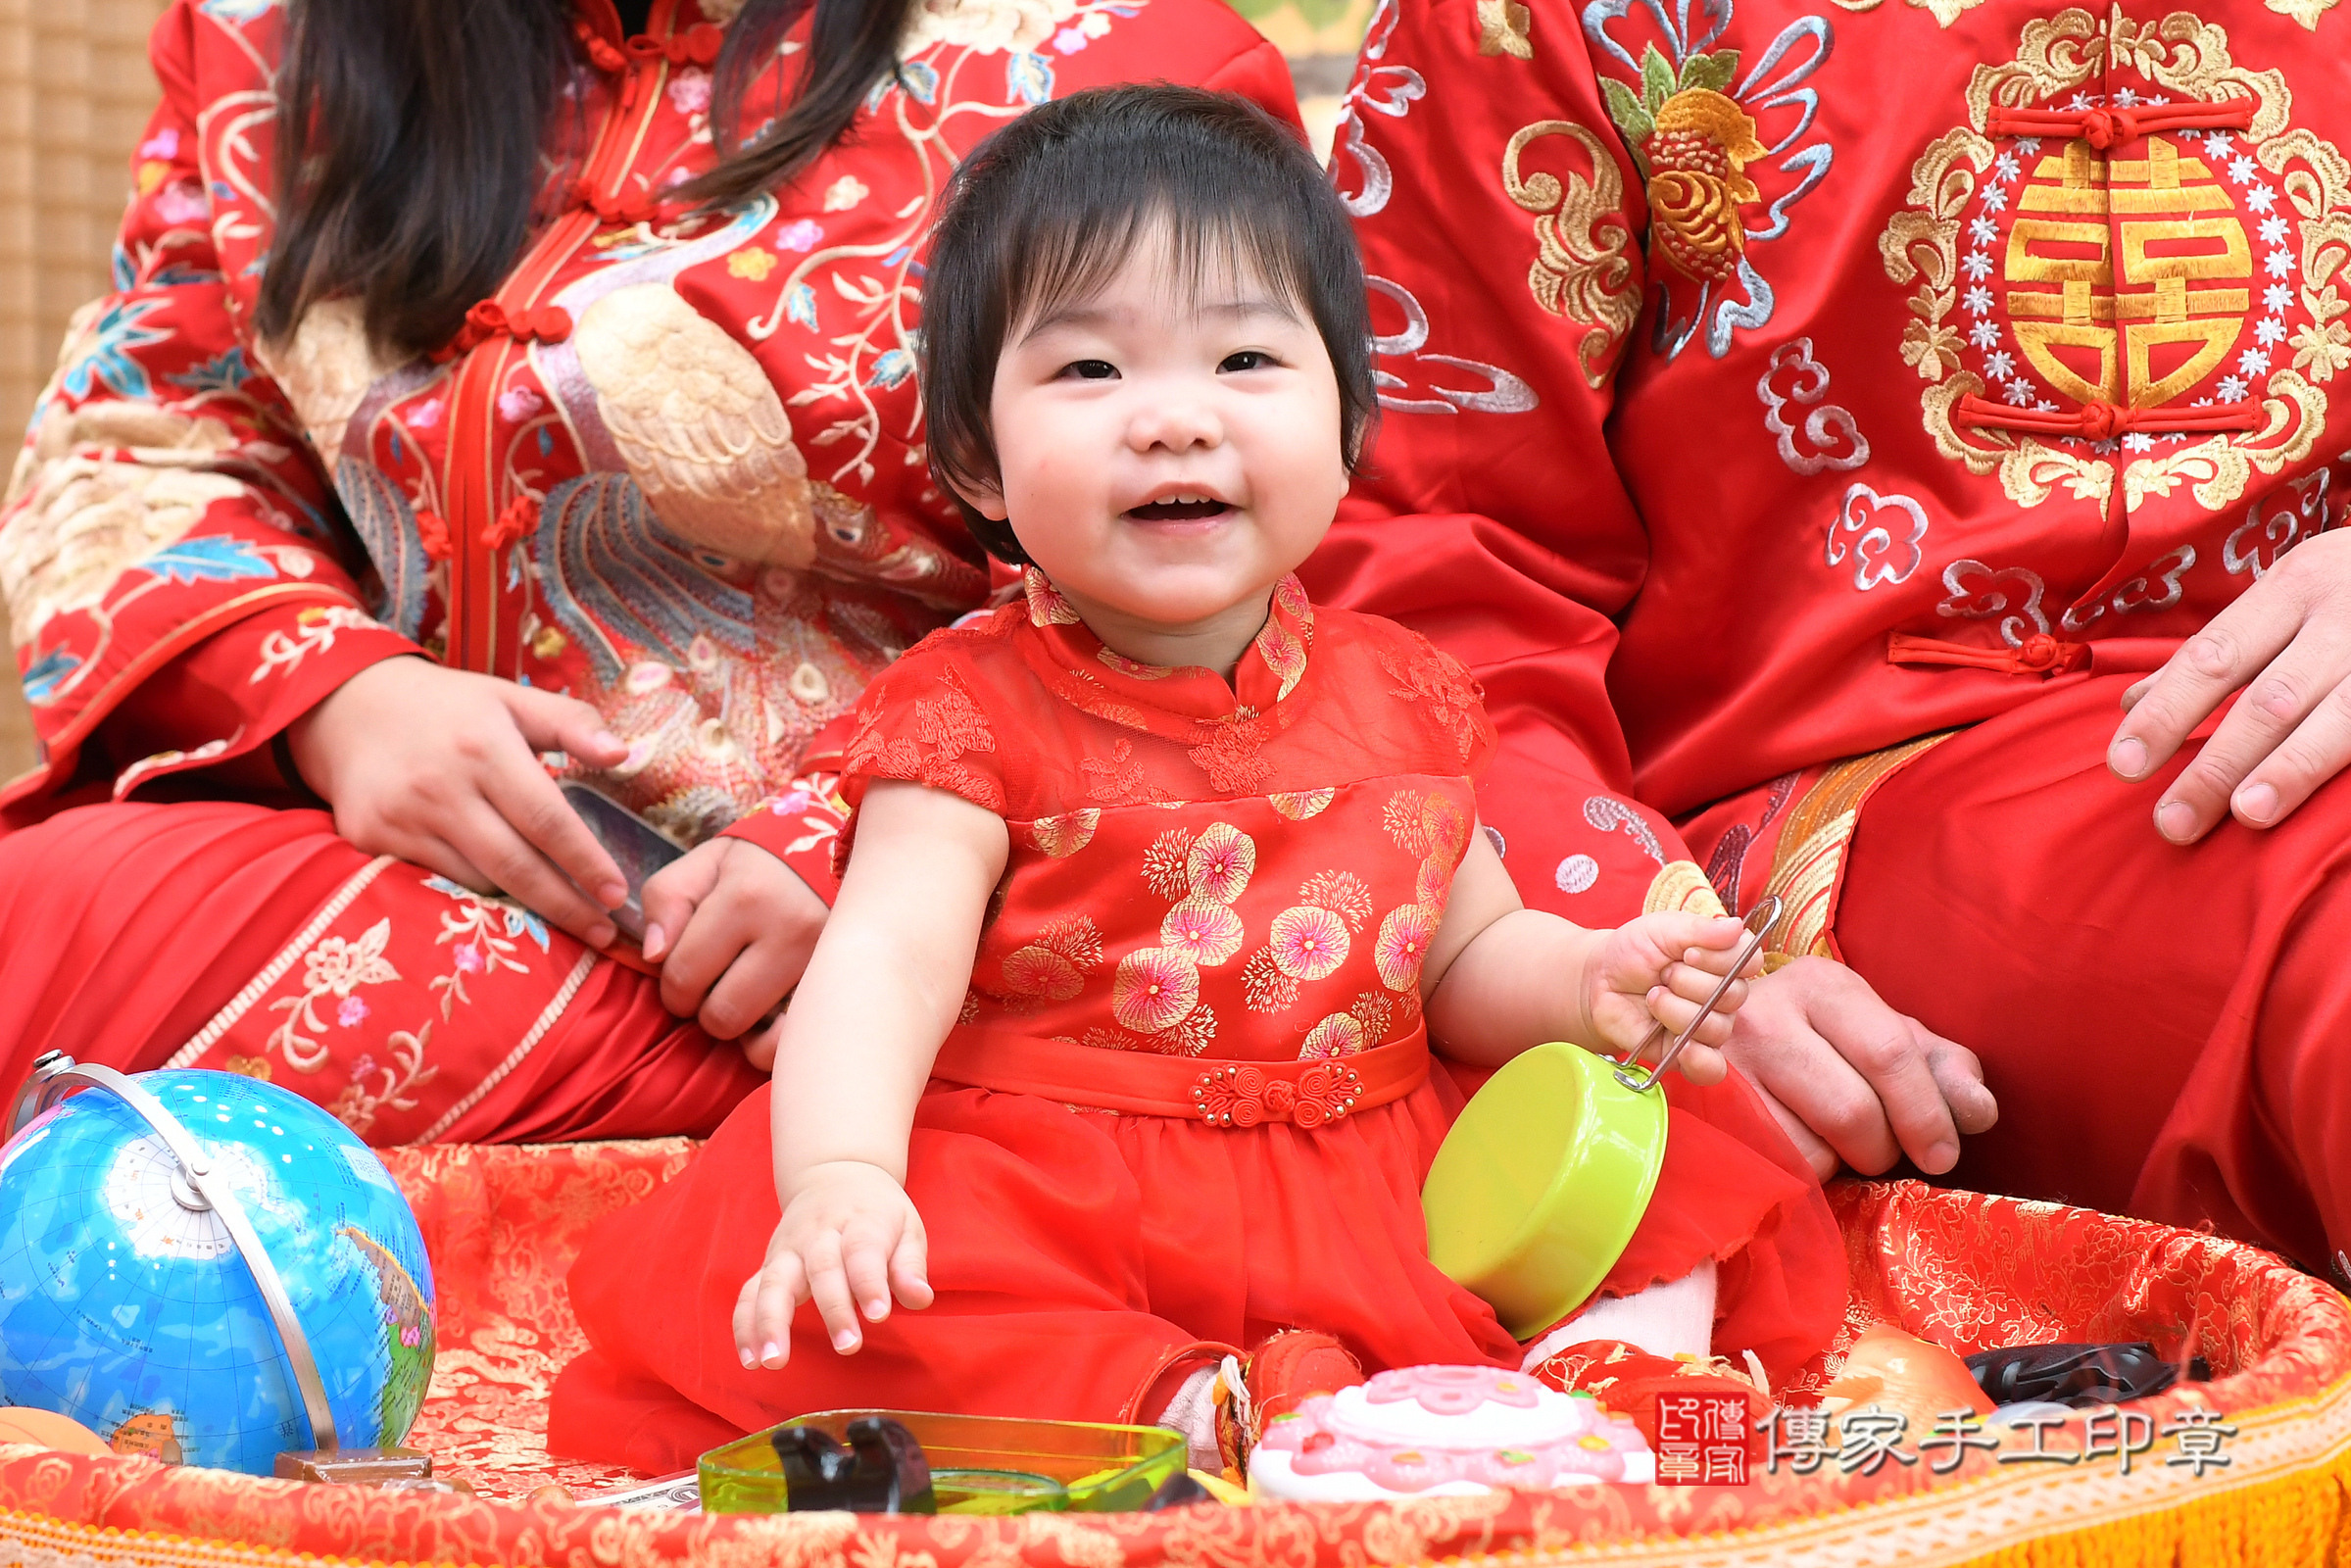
75,92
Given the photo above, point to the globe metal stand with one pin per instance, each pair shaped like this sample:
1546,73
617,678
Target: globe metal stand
196,1188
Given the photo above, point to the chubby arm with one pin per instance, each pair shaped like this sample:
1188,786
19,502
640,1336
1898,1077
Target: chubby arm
880,994
1501,978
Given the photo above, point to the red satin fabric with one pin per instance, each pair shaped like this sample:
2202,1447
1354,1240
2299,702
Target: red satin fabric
129,928
2008,862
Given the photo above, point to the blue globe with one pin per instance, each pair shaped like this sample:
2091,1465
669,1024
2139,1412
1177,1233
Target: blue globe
135,1315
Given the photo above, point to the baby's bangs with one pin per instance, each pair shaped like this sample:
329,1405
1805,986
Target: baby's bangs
1207,245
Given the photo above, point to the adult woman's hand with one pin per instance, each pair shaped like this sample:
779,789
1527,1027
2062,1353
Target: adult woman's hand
732,928
441,768
2286,644
1850,1079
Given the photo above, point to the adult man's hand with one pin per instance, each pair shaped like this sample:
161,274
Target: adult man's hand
2286,644
1850,1079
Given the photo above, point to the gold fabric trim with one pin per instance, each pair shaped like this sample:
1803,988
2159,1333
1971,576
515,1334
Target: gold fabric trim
1808,861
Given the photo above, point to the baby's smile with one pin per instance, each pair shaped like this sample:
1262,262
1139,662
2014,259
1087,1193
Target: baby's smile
1189,508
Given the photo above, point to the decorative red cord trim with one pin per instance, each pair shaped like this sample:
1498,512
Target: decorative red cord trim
2110,127
632,207
546,323
601,52
518,517
2038,654
2103,421
432,532
698,45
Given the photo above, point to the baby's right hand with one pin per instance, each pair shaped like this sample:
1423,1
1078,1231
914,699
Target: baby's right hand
850,1236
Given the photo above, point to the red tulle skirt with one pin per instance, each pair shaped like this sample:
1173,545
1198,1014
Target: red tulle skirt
1071,1250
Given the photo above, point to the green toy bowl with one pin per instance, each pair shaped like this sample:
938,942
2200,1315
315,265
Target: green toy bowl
1539,1185
979,1465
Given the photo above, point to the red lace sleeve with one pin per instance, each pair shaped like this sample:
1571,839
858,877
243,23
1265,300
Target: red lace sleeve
921,722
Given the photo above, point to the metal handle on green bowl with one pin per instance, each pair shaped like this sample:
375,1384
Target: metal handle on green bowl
1759,922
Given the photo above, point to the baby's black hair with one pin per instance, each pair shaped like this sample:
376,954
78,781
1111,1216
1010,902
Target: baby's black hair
1047,210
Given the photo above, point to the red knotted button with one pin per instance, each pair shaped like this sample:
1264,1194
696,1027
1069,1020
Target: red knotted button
600,50
2105,128
698,45
2100,421
2040,650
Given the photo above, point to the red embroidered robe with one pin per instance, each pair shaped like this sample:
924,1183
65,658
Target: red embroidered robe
674,468
1809,383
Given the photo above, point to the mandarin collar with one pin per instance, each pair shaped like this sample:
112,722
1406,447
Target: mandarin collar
1271,667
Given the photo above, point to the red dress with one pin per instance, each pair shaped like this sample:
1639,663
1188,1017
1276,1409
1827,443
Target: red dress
682,479
1853,400
1188,1096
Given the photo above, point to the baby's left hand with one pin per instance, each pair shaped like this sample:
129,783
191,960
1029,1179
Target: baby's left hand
1660,969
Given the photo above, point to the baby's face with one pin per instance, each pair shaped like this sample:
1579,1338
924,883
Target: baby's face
1164,457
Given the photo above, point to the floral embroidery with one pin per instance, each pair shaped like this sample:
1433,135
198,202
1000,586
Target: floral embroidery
1052,968
1202,929
335,967
1298,805
1047,607
1280,648
356,1108
486,931
1375,1012
1437,682
1154,989
1035,973
1307,941
1117,780
1339,1034
1220,862
815,798
1230,757
316,626
946,727
1694,128
1580,270
1266,988
1061,836
1167,864
1403,945
1343,893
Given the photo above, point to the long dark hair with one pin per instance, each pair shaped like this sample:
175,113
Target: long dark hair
410,135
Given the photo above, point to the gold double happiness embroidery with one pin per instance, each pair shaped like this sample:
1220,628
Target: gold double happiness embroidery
2209,270
2176,227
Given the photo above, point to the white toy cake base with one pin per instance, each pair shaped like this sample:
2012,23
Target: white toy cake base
1444,1432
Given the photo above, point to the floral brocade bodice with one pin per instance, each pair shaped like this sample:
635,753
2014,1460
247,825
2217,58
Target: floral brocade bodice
1250,871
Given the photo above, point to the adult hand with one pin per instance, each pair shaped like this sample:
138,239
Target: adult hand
2286,643
732,928
441,768
1852,1079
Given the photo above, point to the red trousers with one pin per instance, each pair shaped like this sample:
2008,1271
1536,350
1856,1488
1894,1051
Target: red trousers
214,934
1071,1250
2167,1030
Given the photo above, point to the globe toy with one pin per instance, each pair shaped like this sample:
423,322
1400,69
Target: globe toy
126,1298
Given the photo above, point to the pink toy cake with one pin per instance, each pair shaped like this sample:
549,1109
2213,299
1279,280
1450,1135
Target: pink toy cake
1443,1431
